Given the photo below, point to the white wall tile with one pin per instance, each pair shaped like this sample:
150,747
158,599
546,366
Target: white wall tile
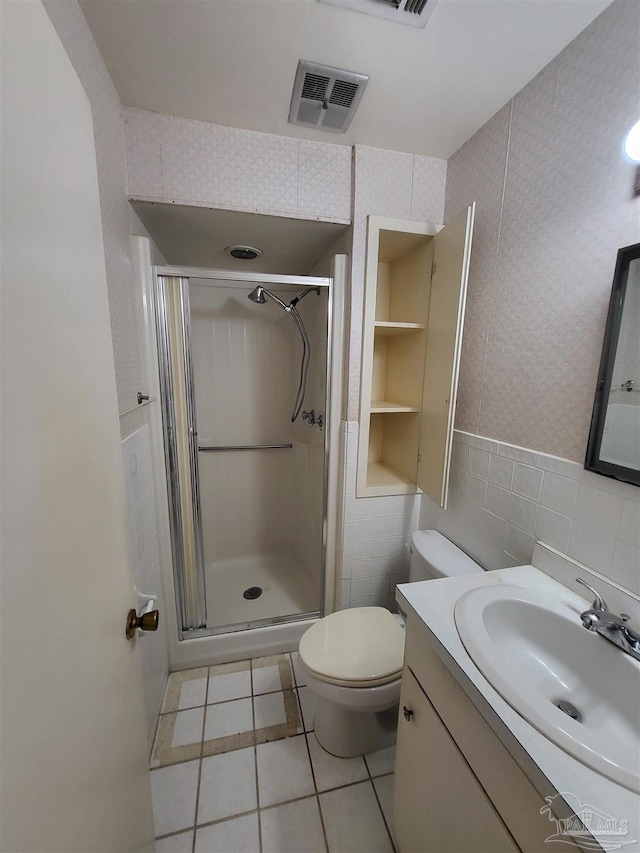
591,547
479,461
523,513
629,530
501,471
477,490
527,481
559,494
497,501
553,528
599,509
582,529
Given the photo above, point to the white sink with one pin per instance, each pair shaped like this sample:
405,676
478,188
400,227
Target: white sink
533,650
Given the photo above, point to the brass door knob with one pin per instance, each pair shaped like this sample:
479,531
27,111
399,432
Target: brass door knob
146,622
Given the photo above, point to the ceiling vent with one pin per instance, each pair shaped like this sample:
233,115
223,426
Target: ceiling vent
415,13
325,98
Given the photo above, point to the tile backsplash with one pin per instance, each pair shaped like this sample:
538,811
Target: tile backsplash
503,498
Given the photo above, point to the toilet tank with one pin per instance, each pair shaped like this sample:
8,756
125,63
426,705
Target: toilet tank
435,556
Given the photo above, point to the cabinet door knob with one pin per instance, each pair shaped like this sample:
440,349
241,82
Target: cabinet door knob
408,713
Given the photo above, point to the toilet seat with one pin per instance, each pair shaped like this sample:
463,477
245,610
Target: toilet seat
361,647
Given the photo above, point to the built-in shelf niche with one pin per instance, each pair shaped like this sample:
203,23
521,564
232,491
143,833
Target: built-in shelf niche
415,285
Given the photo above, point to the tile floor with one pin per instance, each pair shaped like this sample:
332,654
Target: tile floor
236,768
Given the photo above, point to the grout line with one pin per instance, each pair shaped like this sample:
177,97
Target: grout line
195,816
255,763
315,784
375,794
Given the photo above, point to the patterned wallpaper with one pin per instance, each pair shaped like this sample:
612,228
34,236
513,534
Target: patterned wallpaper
555,201
74,34
194,162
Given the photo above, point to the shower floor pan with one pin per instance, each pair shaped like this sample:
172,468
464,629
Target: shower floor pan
286,590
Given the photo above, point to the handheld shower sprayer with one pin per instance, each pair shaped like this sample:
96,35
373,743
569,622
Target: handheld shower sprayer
259,296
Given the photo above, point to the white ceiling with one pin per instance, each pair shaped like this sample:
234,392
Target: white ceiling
233,62
198,236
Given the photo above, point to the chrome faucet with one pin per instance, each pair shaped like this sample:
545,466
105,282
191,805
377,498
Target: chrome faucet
613,628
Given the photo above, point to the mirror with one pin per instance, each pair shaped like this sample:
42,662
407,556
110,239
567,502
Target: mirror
614,438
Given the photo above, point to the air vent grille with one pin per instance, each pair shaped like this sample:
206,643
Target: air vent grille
315,87
343,93
415,13
325,98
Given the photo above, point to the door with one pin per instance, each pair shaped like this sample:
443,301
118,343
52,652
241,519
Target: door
450,272
439,805
72,733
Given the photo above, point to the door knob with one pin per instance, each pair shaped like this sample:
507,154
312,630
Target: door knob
146,622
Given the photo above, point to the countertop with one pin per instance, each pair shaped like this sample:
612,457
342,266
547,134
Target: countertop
550,769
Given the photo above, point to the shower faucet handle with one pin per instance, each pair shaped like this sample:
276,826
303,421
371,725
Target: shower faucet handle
312,418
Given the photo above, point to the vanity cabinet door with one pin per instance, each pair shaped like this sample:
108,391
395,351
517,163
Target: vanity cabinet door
439,805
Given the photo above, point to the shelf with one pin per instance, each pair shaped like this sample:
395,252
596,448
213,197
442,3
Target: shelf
379,407
386,329
383,477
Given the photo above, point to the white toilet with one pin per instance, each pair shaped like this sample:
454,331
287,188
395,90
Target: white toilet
353,658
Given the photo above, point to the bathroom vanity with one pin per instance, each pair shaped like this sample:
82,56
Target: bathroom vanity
473,775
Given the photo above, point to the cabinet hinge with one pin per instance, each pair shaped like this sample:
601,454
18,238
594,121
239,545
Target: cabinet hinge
434,267
419,458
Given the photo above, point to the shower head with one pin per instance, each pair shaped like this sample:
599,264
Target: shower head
260,293
257,295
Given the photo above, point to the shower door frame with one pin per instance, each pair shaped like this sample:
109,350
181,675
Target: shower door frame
332,393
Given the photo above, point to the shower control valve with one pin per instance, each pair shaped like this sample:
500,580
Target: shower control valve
312,418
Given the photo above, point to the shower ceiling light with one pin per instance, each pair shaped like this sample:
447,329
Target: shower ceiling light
244,253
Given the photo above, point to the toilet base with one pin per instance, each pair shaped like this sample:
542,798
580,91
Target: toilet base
346,733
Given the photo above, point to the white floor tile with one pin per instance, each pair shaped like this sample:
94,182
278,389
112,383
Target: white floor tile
231,685
193,693
292,828
228,718
238,835
384,790
308,706
266,679
269,710
181,843
331,772
284,770
227,785
174,797
301,678
188,727
382,762
353,821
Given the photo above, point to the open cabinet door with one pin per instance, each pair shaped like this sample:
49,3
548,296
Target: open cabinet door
452,250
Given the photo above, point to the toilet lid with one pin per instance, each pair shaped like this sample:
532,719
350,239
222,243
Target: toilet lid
362,644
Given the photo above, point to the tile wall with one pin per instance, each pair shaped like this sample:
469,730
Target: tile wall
375,536
145,568
503,498
194,162
72,29
555,201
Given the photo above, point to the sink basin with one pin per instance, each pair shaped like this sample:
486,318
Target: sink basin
533,650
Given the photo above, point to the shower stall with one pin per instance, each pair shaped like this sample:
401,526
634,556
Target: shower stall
247,379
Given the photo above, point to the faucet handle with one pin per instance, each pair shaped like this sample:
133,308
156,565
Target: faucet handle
599,603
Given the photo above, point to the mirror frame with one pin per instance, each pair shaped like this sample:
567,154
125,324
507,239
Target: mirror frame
607,361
